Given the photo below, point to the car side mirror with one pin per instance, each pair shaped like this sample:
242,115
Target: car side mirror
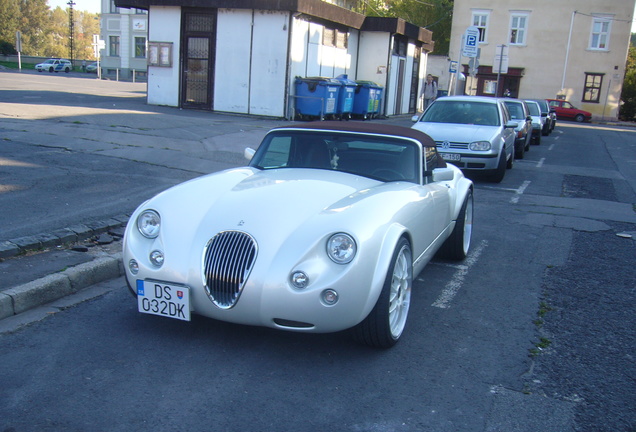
248,153
443,174
511,124
415,118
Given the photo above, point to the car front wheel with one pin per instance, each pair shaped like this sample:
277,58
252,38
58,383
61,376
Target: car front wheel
497,175
579,118
385,323
457,244
51,69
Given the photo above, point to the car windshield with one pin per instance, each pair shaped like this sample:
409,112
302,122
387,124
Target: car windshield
377,157
516,110
534,109
49,61
462,112
543,104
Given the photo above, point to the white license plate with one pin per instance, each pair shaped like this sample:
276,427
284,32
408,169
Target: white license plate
163,299
451,156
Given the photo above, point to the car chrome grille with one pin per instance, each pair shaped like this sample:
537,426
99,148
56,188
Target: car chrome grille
447,145
227,261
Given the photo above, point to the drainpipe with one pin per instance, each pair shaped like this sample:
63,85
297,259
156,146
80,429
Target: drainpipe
567,51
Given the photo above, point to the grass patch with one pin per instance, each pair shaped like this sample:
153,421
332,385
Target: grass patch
14,65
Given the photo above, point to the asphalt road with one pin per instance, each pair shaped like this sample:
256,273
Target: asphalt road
533,332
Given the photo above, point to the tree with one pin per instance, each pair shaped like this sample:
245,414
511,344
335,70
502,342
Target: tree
434,15
628,94
45,32
35,19
9,24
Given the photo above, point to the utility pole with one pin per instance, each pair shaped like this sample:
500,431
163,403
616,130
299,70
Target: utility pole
71,29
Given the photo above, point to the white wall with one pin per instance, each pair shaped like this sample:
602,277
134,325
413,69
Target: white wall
269,63
233,47
163,82
373,56
251,66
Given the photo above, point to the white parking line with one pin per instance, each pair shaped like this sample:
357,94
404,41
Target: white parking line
452,287
540,163
519,192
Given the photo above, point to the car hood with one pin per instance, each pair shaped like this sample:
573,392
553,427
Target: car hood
271,203
462,133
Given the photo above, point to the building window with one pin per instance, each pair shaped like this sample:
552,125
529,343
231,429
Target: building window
518,29
113,8
592,89
113,46
599,39
480,20
140,47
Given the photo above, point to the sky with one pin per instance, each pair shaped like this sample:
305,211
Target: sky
92,6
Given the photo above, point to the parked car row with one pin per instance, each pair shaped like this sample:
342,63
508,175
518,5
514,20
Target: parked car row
483,133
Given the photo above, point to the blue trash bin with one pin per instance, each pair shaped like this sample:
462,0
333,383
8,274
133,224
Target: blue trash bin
366,101
346,96
317,97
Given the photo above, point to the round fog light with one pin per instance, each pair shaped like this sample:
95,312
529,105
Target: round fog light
299,280
330,297
133,266
156,258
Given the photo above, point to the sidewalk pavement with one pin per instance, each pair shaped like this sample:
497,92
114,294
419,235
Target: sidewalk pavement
39,269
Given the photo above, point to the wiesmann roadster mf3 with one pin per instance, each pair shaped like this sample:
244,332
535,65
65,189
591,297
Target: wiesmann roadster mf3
323,231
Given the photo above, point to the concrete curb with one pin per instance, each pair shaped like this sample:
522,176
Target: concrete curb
15,247
53,287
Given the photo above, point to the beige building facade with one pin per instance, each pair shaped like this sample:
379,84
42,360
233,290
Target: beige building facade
568,49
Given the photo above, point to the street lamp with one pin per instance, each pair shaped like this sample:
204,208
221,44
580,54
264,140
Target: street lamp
71,28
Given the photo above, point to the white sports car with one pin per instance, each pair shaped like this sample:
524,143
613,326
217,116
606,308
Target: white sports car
323,231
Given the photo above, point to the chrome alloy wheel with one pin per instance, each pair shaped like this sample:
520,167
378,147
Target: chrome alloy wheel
400,294
468,224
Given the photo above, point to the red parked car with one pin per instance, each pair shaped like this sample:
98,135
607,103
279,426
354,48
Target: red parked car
566,111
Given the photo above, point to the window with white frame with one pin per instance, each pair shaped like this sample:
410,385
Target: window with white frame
518,28
480,20
599,39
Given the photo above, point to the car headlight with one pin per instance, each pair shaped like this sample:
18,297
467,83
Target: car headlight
149,223
480,146
341,248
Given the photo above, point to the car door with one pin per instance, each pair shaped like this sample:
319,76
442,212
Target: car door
434,207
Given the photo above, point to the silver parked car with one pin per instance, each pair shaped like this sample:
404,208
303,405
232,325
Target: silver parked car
519,113
288,242
550,116
538,121
471,132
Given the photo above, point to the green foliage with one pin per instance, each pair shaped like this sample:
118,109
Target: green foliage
434,15
45,32
628,94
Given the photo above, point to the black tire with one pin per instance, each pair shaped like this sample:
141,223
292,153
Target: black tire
520,151
385,323
579,118
457,244
67,70
498,174
51,69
